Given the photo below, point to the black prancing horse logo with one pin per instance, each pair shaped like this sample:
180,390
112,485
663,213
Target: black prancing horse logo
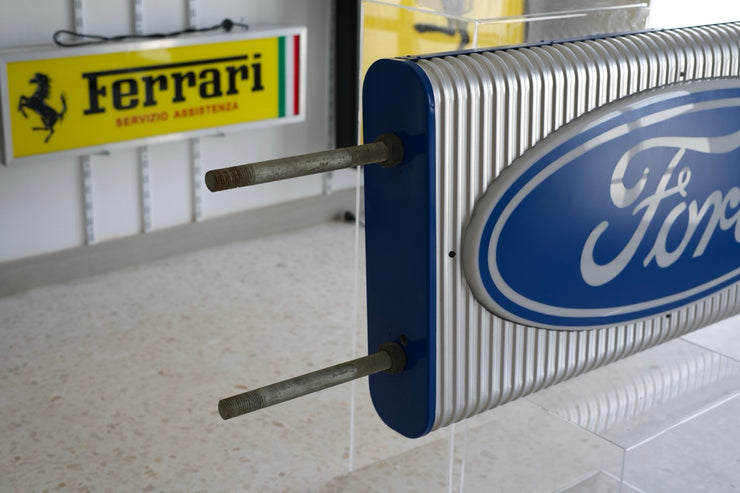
36,103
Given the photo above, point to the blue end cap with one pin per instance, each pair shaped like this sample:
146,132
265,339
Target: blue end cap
400,243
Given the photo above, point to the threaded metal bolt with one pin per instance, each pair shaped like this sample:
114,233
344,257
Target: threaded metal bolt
387,150
390,358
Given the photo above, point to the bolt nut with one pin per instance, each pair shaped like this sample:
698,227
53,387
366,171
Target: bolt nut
398,357
395,149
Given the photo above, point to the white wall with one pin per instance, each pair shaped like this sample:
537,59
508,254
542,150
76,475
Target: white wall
41,200
681,13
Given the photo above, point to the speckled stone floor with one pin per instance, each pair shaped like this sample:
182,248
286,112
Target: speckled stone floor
111,384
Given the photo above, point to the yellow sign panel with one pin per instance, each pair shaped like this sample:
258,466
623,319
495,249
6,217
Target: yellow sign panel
408,28
411,28
89,100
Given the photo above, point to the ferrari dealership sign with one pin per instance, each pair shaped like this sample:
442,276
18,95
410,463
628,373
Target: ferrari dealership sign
88,99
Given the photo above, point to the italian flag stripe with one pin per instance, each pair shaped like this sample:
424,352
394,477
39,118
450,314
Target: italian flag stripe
281,76
296,73
289,72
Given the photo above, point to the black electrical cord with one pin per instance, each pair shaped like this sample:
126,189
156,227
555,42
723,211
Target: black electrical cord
90,39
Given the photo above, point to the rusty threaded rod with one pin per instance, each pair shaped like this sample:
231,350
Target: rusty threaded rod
390,358
387,150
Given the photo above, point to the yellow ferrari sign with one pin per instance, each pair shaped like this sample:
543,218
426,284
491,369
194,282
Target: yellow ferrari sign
68,99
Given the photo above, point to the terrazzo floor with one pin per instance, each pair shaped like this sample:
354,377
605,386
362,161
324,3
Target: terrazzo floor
111,384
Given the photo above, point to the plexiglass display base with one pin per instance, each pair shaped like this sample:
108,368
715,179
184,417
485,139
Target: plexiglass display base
661,420
669,413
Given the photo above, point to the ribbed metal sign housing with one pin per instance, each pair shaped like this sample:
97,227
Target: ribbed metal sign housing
486,109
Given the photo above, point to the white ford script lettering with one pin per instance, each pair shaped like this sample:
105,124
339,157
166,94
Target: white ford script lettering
722,205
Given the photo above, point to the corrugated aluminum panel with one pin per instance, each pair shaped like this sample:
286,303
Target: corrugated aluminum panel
490,108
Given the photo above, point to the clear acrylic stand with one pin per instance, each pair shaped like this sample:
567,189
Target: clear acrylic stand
415,27
664,420
671,411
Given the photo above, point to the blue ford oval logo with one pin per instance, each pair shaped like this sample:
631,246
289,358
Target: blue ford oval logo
627,212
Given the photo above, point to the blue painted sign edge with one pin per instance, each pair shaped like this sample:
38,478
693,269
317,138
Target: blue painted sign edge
400,243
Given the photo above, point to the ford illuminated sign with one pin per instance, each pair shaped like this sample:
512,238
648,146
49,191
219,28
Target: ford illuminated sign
628,212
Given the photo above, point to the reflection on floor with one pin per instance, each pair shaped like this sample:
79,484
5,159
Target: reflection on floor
111,384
